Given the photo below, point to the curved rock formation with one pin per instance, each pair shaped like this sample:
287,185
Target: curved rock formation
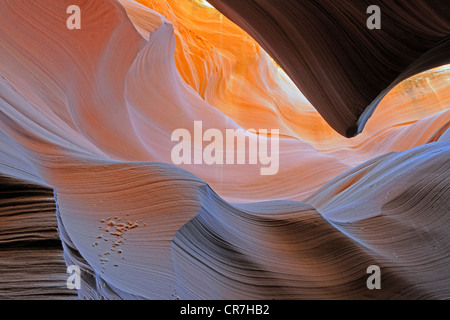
343,67
86,121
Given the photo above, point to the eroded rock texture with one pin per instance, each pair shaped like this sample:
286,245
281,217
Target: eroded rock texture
87,178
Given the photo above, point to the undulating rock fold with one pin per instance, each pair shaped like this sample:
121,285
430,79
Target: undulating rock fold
88,127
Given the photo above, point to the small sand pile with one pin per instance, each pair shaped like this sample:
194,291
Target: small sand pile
113,226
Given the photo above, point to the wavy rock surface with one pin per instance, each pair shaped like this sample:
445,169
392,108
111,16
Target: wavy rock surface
86,118
289,250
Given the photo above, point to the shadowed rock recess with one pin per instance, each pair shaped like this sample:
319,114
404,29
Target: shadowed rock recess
86,142
340,65
31,255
